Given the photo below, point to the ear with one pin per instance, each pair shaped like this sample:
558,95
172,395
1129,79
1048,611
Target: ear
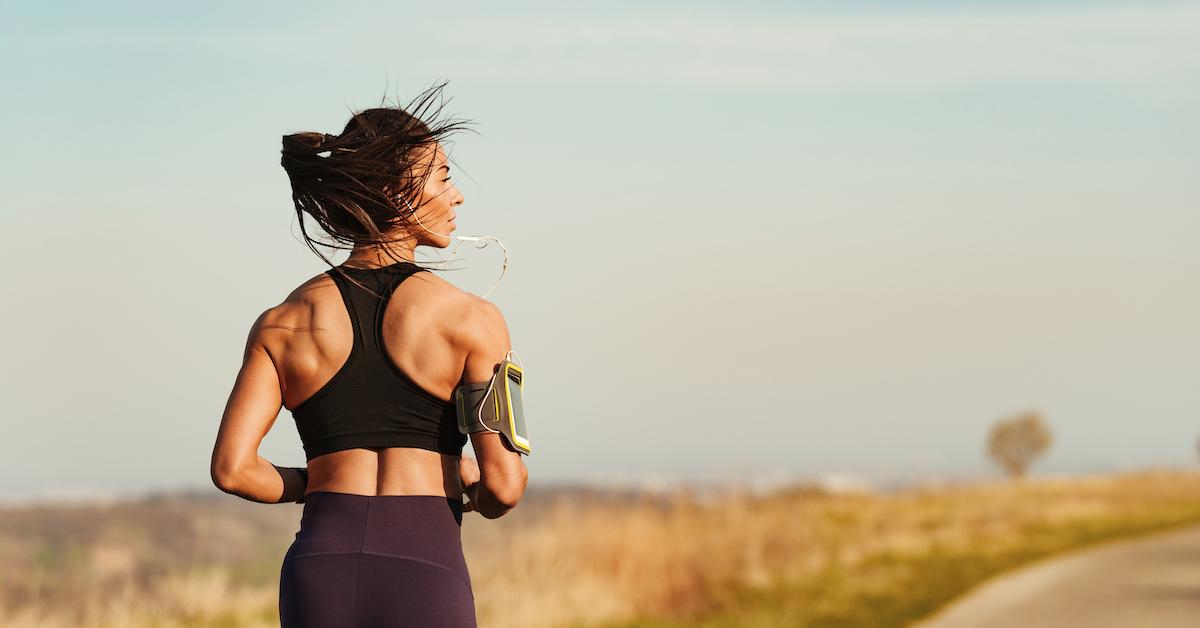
398,201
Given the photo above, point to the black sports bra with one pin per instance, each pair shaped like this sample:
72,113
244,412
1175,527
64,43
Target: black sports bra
370,402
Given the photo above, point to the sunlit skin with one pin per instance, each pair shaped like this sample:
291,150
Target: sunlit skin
436,333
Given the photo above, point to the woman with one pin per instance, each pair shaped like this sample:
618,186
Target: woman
366,357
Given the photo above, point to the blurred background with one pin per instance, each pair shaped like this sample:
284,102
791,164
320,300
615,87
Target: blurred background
833,248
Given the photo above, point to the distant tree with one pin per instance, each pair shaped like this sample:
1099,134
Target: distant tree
1014,443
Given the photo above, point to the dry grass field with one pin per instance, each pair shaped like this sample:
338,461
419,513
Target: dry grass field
796,557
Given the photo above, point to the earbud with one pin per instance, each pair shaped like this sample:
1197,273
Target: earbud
462,239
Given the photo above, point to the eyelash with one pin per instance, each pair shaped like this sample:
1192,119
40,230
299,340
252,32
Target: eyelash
446,179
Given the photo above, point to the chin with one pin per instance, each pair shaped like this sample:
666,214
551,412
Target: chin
438,240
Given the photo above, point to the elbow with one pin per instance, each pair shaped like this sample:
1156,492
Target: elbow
224,475
508,488
222,480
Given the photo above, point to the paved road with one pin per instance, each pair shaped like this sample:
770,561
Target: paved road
1152,581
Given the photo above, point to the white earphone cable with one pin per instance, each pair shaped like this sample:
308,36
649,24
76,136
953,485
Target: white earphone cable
483,239
492,387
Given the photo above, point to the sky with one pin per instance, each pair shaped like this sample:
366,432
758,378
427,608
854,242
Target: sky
804,238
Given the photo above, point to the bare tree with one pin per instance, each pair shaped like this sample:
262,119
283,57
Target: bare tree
1014,443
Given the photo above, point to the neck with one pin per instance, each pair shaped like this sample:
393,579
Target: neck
382,254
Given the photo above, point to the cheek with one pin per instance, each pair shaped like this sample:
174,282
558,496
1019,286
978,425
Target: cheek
429,192
439,196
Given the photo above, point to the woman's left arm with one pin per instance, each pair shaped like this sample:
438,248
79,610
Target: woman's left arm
253,406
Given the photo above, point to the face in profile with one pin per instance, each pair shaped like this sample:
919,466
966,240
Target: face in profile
439,198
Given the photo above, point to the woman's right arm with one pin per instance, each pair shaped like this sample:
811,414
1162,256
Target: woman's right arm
503,475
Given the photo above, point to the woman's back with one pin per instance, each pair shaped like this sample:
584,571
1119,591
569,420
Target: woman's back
412,368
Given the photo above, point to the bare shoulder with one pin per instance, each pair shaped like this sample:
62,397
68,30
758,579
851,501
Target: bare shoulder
454,303
297,310
480,332
305,296
476,323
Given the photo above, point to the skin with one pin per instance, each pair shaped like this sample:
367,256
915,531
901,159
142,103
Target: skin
438,334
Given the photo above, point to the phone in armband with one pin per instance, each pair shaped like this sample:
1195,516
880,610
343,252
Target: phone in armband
495,406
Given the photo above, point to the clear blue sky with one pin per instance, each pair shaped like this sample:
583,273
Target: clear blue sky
825,237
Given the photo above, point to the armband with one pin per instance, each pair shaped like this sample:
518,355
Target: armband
495,406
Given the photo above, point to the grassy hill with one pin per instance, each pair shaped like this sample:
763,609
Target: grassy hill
798,556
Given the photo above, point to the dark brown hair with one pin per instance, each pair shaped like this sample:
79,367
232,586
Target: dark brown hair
348,183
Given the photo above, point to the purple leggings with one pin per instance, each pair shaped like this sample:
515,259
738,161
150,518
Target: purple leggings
376,561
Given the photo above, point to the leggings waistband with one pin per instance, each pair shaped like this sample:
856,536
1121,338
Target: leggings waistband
427,527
